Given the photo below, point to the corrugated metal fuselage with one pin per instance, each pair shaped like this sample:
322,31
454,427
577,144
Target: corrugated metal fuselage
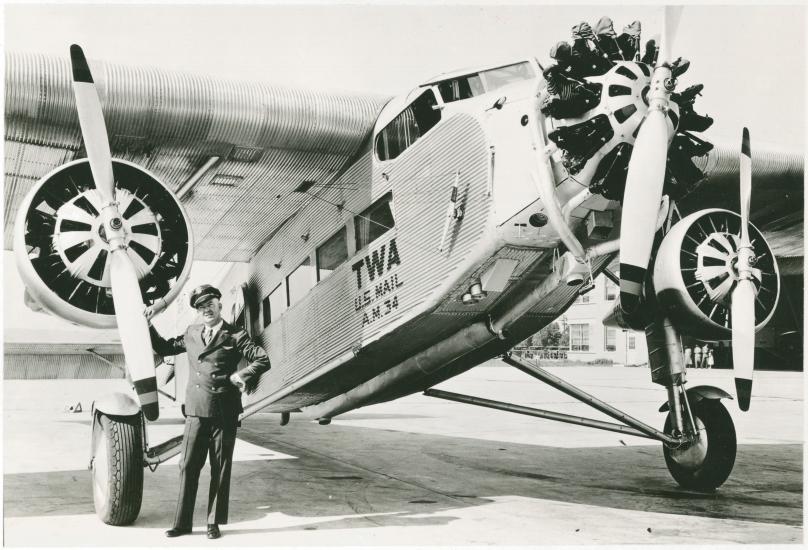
402,293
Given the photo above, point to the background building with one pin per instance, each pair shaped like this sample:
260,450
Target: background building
586,337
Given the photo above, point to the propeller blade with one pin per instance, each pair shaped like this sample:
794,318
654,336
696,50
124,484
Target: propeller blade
743,297
134,331
670,24
746,186
743,340
93,128
644,183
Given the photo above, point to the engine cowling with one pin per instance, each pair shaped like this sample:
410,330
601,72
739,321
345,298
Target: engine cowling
62,252
695,273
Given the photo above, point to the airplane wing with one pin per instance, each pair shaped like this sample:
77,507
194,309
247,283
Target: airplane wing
232,151
778,201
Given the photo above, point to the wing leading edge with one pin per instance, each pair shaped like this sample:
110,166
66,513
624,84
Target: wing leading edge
233,150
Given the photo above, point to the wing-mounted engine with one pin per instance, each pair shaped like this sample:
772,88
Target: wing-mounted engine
696,273
63,253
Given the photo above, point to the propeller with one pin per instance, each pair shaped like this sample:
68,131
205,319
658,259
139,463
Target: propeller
126,294
743,297
646,175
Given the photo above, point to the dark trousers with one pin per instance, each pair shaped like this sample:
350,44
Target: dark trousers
206,436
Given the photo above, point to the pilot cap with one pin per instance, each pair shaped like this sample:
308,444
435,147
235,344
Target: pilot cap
202,293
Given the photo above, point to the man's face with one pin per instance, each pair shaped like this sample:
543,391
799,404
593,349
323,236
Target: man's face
211,311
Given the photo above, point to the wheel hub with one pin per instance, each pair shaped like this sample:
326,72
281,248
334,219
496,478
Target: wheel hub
691,454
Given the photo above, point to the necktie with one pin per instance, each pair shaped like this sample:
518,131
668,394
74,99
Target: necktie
206,334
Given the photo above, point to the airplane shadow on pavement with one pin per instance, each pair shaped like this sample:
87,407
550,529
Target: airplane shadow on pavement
349,477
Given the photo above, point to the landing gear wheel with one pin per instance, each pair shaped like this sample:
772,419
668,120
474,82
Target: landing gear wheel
117,468
707,463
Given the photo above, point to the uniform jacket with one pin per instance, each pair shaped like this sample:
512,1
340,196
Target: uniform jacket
209,392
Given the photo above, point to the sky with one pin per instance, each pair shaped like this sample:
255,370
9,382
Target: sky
751,59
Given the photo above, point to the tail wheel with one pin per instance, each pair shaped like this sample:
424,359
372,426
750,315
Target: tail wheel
117,469
707,463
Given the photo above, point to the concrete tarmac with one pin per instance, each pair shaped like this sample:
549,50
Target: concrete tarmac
423,471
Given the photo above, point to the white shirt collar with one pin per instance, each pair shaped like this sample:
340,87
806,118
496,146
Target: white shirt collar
215,328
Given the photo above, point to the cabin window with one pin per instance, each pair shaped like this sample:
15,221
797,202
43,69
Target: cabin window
632,341
579,337
300,281
332,253
610,342
265,307
374,222
404,130
277,302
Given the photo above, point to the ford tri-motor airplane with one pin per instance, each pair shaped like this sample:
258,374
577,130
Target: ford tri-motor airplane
392,244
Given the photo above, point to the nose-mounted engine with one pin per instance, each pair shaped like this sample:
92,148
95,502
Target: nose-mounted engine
62,249
598,94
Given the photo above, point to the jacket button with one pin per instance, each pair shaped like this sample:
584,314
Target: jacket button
197,385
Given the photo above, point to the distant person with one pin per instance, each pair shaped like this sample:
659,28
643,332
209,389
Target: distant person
710,359
688,358
212,405
705,351
697,356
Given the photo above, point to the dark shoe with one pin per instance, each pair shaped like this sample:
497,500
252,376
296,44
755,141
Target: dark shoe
213,531
177,531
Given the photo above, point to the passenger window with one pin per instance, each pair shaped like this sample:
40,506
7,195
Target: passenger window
277,302
300,281
332,253
374,222
404,130
265,306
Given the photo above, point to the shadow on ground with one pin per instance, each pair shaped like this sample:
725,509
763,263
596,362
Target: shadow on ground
351,477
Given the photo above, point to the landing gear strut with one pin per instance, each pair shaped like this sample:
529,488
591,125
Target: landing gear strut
698,443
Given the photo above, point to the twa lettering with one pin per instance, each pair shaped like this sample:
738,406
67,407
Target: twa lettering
374,263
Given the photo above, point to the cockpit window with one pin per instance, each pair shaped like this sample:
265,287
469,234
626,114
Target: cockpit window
407,127
471,85
497,78
462,87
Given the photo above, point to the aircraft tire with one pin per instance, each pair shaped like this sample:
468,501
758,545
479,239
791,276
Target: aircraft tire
721,446
117,469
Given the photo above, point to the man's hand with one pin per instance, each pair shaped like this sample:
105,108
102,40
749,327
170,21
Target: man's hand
238,381
148,313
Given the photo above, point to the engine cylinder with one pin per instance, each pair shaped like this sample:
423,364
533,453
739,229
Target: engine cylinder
695,273
62,252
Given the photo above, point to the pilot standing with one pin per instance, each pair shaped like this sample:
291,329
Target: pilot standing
212,403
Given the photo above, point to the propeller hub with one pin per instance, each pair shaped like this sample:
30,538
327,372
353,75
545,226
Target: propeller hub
84,241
